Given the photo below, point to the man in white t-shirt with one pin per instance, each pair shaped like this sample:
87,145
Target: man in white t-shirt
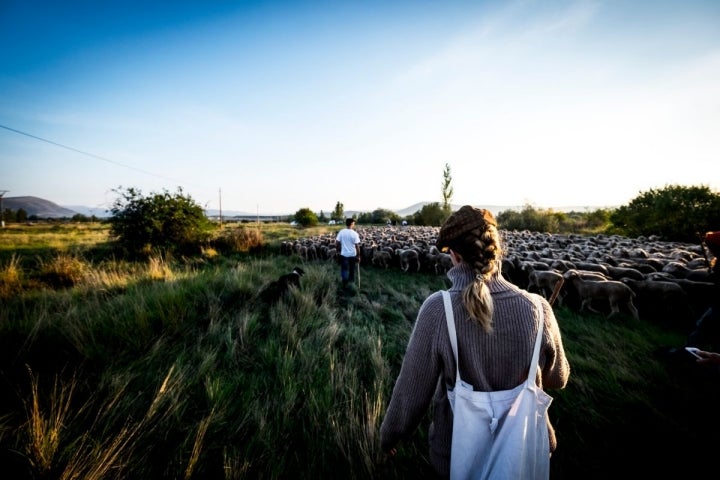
347,242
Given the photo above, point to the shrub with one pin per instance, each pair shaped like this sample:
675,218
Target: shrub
63,270
674,213
164,221
431,214
531,219
240,239
306,217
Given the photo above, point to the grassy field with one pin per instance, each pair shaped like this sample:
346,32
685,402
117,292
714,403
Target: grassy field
175,368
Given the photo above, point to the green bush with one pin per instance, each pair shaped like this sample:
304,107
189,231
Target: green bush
379,216
430,215
306,217
159,221
674,213
531,219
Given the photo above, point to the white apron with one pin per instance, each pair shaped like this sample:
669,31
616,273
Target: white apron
501,434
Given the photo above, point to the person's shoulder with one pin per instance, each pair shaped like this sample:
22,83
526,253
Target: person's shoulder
433,300
432,312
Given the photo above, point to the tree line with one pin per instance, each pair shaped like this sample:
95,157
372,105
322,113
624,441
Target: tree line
673,213
21,216
176,222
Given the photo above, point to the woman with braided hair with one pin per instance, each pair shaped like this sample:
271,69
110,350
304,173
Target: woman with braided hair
496,326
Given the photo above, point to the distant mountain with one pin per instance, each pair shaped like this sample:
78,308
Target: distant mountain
38,207
411,209
42,208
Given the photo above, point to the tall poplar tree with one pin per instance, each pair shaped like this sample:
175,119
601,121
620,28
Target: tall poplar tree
339,212
447,190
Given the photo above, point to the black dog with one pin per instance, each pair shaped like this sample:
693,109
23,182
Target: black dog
274,290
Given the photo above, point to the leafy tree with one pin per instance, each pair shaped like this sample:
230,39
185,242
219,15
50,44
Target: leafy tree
447,190
674,213
365,218
598,219
164,221
531,219
306,217
381,216
431,214
21,215
322,218
339,212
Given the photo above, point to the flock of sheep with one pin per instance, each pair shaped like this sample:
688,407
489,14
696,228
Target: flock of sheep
641,277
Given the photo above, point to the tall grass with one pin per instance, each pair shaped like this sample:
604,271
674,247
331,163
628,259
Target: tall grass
173,369
253,390
11,277
45,423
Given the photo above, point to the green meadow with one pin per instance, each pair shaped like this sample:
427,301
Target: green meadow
174,368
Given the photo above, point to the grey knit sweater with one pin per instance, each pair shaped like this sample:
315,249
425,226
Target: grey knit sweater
488,361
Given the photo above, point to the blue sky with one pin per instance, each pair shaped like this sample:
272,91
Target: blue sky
270,107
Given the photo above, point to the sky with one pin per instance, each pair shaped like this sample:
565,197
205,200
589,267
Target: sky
272,106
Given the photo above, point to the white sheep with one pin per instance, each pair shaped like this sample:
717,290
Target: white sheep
614,292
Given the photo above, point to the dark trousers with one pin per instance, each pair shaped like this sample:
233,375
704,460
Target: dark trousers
347,269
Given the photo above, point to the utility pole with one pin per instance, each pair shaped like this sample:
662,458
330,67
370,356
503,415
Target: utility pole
220,195
2,210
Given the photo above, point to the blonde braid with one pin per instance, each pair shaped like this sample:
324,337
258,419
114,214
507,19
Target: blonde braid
480,248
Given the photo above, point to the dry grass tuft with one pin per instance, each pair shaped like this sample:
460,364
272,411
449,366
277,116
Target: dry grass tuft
96,459
11,278
46,422
64,270
158,269
240,239
197,445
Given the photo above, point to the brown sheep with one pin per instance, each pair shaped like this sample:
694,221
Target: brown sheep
408,257
438,261
381,258
661,301
614,292
545,282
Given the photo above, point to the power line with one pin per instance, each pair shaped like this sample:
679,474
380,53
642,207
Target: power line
93,155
